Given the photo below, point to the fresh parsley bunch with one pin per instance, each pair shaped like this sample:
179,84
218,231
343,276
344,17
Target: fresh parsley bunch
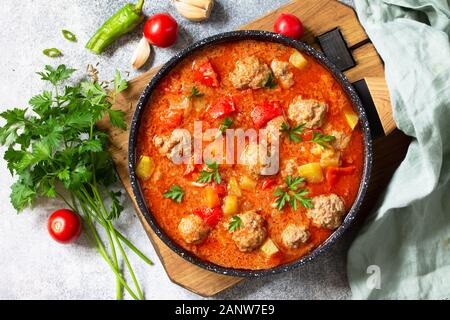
56,145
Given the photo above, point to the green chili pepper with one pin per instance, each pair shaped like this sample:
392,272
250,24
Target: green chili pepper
52,52
125,20
69,35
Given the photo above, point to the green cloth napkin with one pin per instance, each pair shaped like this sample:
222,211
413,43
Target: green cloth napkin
407,240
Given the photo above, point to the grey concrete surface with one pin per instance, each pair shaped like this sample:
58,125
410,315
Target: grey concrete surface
32,265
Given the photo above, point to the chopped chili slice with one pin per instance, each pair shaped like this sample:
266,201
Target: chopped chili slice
210,216
265,112
204,73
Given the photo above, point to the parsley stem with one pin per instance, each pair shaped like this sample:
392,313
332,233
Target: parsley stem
101,249
113,231
128,243
94,207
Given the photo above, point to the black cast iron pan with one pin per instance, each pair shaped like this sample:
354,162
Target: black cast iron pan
235,36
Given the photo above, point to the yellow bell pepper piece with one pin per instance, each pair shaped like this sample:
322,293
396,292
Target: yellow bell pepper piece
233,187
269,248
230,205
312,172
352,118
212,198
247,183
145,167
298,60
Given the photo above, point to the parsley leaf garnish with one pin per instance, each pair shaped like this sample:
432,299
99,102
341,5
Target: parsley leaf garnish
195,93
270,82
322,140
207,176
175,193
116,206
292,194
226,124
235,223
120,84
56,143
56,76
294,133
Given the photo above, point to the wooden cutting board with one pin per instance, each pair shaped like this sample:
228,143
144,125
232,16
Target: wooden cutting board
319,17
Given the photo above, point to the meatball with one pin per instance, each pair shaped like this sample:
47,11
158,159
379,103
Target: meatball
327,211
341,140
172,147
273,128
252,233
281,71
250,72
310,112
293,236
193,229
252,159
290,168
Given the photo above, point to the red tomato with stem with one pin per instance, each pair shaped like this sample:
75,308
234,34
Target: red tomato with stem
289,26
64,226
161,30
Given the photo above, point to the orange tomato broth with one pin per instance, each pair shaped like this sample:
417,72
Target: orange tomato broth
314,81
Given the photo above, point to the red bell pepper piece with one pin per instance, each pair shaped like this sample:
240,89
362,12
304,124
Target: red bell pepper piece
308,135
204,73
191,167
333,174
210,216
173,119
222,107
221,188
268,183
265,112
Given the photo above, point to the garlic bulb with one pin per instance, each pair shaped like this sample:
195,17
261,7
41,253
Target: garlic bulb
141,53
194,10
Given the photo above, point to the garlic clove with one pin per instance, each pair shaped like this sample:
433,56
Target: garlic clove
141,54
194,10
204,4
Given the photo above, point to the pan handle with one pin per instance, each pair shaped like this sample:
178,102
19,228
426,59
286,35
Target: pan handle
374,95
373,91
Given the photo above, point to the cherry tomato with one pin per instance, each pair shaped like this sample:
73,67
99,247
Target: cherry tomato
64,226
210,216
289,26
265,112
204,73
222,107
161,30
